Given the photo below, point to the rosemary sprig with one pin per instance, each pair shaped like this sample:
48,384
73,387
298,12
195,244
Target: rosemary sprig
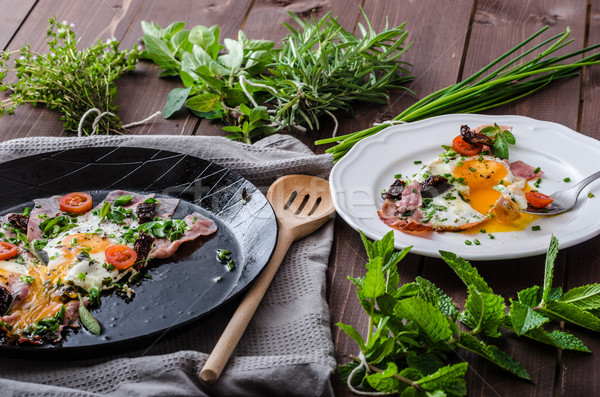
510,81
322,68
67,79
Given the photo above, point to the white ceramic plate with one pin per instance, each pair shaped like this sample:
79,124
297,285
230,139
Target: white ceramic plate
358,178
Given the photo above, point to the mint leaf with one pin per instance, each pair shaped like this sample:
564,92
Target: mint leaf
484,312
429,319
560,339
425,363
353,333
571,313
524,318
385,381
374,281
432,294
531,296
449,378
468,274
587,297
493,354
549,267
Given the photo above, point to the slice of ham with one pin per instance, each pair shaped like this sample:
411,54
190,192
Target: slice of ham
411,198
391,212
524,170
18,289
199,226
49,207
166,206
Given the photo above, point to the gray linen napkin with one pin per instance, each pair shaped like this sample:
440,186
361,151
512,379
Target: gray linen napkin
286,351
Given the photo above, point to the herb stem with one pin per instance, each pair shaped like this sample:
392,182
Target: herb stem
399,377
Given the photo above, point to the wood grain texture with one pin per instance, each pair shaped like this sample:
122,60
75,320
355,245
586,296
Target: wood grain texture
103,19
578,375
499,26
14,12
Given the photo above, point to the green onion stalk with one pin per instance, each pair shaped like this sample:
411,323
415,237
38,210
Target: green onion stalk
509,81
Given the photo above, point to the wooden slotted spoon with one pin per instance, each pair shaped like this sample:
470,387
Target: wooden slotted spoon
302,204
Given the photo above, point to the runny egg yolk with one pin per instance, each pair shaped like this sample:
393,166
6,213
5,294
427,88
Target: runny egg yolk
72,246
481,177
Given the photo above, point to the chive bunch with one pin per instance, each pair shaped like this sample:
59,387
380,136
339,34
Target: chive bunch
503,80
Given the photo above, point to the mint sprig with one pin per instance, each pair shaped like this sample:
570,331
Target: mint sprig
413,326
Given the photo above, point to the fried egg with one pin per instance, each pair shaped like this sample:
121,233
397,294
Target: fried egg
476,184
78,256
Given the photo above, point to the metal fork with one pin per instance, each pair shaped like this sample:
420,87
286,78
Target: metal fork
563,200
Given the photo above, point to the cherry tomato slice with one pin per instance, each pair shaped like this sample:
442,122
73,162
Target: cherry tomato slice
76,203
120,256
7,250
538,200
465,148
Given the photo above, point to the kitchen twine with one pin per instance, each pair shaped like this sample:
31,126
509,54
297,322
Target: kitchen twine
99,117
365,365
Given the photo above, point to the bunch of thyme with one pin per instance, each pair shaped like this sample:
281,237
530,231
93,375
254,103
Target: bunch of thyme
67,79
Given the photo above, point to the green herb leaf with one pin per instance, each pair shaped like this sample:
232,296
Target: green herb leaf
484,312
429,319
432,294
560,339
586,297
122,201
549,267
374,281
524,318
204,102
468,274
449,378
175,101
88,320
385,381
493,354
571,313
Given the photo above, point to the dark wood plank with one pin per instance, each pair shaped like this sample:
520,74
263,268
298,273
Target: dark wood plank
435,65
103,20
497,27
14,12
579,370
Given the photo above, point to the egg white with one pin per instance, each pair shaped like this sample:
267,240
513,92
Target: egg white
448,210
95,270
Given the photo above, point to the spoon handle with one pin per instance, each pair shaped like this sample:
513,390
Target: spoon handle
579,186
211,371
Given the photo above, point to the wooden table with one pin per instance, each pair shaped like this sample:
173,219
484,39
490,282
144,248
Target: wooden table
452,39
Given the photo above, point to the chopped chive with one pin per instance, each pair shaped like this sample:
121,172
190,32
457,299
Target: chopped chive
417,162
536,228
476,242
591,195
491,236
567,179
467,242
482,231
536,170
397,176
